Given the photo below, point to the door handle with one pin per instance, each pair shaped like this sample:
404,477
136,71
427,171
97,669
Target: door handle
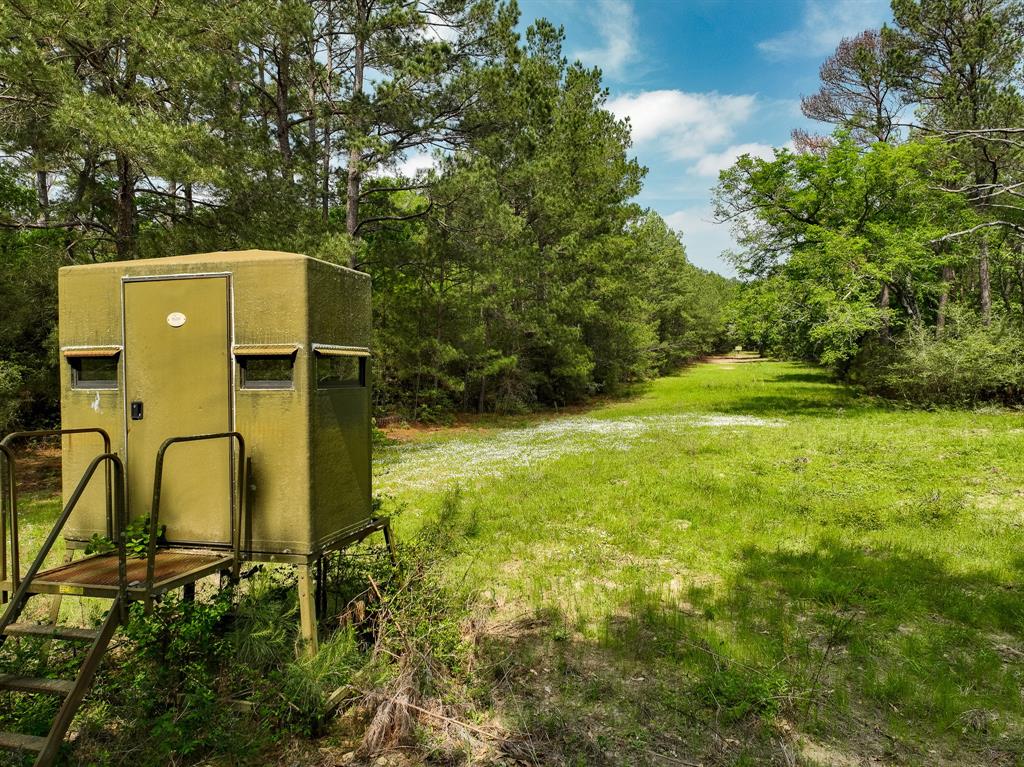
137,410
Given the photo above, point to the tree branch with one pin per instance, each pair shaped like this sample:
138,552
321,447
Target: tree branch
408,217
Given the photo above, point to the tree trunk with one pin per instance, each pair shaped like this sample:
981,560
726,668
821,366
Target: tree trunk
325,181
283,78
43,196
940,318
264,120
984,282
883,304
189,205
314,181
482,399
354,153
172,201
124,232
325,189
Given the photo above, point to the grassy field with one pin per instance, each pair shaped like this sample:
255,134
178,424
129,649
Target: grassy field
744,564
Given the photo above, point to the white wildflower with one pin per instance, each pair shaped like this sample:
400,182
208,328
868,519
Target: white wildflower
470,459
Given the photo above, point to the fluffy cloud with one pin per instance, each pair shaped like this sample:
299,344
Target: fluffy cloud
711,164
823,25
415,162
616,25
704,239
686,125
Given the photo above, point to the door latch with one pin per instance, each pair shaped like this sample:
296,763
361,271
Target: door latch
137,410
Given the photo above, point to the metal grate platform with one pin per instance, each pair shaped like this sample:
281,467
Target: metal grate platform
96,576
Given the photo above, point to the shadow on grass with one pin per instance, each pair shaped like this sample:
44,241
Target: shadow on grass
580,701
882,653
891,637
801,402
811,377
803,393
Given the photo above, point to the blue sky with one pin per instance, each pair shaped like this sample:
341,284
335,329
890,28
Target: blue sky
704,81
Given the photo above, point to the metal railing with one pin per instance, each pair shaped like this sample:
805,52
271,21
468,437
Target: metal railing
117,521
236,501
9,520
9,501
21,591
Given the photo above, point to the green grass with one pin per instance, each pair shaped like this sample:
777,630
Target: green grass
742,564
745,564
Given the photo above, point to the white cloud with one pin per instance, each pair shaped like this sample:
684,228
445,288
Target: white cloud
704,239
824,24
686,125
616,25
692,220
438,28
408,166
711,164
415,162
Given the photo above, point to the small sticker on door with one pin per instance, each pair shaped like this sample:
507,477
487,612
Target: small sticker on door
175,319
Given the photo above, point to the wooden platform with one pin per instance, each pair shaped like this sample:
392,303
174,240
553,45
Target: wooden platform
96,576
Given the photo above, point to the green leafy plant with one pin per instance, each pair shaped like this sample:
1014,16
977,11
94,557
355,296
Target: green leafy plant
99,544
136,536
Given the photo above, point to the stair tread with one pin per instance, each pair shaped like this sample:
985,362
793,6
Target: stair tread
15,741
36,684
52,631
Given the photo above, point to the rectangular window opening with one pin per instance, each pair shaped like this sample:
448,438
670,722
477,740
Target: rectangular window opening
267,371
340,372
94,372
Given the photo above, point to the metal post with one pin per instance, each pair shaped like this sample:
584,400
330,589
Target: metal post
309,641
390,541
11,497
6,502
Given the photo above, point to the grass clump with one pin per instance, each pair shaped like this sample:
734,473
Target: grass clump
747,563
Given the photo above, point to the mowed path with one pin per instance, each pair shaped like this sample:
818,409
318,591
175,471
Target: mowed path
746,564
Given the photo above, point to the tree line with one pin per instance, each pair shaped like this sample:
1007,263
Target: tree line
512,270
892,249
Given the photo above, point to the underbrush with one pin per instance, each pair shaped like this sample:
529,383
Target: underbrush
964,364
220,678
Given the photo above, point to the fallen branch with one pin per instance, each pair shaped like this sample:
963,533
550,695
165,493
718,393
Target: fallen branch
673,759
456,722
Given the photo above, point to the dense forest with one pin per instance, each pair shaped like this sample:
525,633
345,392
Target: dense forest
892,250
474,173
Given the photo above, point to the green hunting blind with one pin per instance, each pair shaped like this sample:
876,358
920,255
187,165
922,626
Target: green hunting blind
272,345
223,396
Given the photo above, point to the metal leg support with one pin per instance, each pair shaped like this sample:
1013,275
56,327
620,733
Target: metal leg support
390,541
307,611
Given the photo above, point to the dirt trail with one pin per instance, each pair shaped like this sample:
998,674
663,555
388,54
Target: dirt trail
736,357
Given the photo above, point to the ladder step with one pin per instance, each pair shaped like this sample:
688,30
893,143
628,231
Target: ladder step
33,684
51,631
13,741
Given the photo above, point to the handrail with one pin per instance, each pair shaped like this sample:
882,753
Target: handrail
6,441
154,514
22,590
9,501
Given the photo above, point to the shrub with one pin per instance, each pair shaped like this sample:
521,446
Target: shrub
967,363
10,391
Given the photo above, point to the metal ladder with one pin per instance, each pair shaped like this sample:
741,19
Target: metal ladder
73,692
